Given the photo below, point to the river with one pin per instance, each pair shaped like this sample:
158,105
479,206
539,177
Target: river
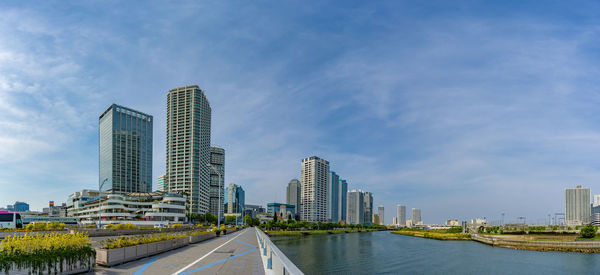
386,253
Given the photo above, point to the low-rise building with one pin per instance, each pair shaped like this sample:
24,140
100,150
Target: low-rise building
452,223
137,208
282,211
252,210
264,217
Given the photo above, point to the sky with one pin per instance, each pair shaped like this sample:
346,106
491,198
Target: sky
463,109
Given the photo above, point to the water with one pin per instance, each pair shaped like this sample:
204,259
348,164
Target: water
386,253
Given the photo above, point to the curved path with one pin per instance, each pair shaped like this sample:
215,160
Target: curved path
235,253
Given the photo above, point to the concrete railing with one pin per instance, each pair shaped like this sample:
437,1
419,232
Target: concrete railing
274,261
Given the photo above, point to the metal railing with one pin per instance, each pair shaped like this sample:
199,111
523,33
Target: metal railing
276,261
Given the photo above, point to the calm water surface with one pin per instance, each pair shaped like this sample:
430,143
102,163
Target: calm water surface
386,253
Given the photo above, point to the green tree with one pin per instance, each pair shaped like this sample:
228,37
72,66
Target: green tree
588,231
230,219
248,220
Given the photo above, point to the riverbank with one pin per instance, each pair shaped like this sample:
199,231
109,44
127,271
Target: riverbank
538,245
442,236
273,233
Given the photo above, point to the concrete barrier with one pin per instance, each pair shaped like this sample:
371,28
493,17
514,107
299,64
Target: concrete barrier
274,261
75,268
538,245
111,257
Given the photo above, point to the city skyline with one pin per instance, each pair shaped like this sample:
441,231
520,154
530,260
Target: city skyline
475,106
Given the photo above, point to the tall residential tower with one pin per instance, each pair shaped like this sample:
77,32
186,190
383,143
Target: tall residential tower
577,206
356,207
401,215
188,145
380,211
313,196
293,195
125,150
368,199
217,161
333,191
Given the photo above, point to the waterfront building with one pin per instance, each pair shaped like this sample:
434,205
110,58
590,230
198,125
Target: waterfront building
217,160
138,208
188,146
20,206
264,217
235,198
333,199
78,199
401,215
452,223
343,200
409,223
313,195
577,206
125,150
252,210
356,207
293,195
416,216
282,211
161,183
375,219
368,200
380,211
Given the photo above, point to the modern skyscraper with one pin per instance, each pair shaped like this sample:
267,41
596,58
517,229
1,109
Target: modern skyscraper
333,191
236,199
577,206
416,216
293,195
125,150
375,219
380,211
217,160
596,200
188,145
161,183
343,200
368,199
401,215
313,196
356,207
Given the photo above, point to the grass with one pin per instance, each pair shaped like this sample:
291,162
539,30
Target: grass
434,234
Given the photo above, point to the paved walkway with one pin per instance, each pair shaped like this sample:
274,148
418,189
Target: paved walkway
235,253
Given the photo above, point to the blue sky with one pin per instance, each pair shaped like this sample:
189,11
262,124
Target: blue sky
464,110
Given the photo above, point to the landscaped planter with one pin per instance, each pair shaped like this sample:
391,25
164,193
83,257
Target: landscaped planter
203,237
75,268
110,257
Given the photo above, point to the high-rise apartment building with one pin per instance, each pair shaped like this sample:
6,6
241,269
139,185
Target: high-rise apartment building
577,206
416,216
380,212
217,161
376,219
596,200
401,215
333,192
343,200
292,195
188,146
161,183
125,150
235,198
368,200
356,207
313,196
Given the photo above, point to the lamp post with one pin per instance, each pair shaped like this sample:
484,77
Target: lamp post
99,204
219,204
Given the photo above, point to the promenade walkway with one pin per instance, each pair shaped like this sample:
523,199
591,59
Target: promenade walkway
236,253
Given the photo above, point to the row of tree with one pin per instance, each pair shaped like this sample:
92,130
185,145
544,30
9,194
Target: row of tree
300,225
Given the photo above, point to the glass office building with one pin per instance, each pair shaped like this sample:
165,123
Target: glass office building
125,150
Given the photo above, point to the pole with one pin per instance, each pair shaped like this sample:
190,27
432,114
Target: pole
219,204
99,204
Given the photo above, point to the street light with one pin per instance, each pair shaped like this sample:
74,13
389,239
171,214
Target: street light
219,204
99,204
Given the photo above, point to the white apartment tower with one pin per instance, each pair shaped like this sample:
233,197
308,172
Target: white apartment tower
577,206
401,215
188,146
380,211
313,195
416,216
356,207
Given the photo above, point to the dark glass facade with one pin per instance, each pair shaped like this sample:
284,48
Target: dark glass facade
125,150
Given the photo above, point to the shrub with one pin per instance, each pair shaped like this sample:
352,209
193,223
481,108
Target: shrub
120,226
177,225
588,231
124,241
90,226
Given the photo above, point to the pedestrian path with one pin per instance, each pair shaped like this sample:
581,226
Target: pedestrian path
235,253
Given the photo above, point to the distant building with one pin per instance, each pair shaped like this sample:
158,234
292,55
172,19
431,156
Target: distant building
19,206
252,210
375,219
343,200
161,183
416,216
125,150
283,211
478,221
313,196
595,218
401,215
333,197
395,221
596,200
356,205
292,195
380,211
409,223
78,199
217,160
235,198
368,200
452,223
577,206
264,217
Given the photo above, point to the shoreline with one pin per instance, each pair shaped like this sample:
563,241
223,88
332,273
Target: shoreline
283,233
